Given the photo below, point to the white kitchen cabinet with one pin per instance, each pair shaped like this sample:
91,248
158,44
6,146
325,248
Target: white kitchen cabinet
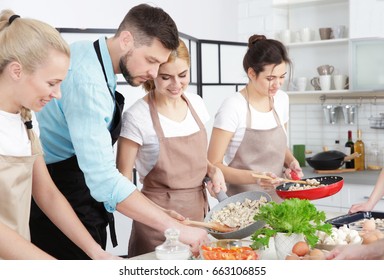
331,203
350,194
358,193
307,56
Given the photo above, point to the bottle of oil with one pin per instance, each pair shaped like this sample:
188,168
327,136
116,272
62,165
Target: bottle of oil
349,149
359,148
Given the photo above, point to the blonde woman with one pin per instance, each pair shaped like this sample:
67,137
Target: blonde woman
34,59
164,137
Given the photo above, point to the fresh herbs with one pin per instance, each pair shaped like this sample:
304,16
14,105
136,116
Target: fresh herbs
291,216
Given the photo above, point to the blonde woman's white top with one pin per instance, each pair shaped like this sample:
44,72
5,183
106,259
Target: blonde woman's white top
14,138
137,126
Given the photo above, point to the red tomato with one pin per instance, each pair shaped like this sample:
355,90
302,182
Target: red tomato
294,175
234,253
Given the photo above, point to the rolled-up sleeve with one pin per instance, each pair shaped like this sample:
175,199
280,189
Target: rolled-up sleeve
88,108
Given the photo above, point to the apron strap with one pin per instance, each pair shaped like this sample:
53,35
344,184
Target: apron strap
111,219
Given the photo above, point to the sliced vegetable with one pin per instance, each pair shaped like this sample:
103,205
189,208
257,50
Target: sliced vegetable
234,253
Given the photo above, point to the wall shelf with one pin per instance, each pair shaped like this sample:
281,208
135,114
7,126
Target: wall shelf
298,3
329,42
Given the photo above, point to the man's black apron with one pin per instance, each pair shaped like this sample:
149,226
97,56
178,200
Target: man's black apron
70,180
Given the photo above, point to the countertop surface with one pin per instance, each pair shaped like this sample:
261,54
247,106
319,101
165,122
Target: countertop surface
267,254
366,177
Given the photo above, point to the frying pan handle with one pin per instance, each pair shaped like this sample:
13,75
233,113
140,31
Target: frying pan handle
221,196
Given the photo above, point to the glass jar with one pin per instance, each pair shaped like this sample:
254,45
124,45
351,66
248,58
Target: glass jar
374,161
172,248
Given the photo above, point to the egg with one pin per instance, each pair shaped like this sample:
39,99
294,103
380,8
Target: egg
301,248
369,237
316,254
369,225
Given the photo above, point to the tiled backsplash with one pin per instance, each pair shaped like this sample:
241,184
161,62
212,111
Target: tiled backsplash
307,126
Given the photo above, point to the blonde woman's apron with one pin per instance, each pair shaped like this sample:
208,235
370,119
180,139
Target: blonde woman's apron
262,151
175,182
16,191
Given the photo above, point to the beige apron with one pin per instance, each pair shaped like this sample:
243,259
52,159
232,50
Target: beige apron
260,150
16,191
175,182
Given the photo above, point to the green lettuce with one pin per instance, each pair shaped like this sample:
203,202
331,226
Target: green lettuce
291,216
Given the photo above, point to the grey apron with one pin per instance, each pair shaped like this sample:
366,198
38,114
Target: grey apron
262,151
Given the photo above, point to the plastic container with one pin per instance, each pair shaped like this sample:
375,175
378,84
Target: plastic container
172,248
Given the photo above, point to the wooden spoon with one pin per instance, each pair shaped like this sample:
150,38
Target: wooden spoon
211,225
284,180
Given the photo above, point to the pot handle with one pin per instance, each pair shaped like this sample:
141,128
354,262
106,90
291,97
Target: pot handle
352,156
221,196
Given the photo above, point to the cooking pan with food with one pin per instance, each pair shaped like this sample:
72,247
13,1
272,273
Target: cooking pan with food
332,185
224,200
329,160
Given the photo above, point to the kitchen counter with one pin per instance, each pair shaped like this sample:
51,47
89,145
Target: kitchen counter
267,254
366,177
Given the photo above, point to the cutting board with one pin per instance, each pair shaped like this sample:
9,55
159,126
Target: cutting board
335,171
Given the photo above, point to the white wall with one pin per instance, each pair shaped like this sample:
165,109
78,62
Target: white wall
213,19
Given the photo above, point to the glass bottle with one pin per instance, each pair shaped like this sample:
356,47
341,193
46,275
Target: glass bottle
172,248
349,149
360,149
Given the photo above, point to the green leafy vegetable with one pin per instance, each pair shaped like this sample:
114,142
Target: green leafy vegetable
291,216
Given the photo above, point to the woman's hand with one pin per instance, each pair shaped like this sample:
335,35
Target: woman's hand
364,206
215,182
295,169
268,183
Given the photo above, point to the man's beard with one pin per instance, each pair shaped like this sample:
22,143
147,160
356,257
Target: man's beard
125,72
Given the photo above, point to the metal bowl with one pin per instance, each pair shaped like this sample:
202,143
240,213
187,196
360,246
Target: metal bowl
246,231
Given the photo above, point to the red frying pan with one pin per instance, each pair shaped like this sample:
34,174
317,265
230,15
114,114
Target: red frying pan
333,184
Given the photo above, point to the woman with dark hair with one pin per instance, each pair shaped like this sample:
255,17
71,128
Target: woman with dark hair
249,134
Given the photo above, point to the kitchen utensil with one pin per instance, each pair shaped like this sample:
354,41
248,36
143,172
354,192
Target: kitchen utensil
325,69
333,185
329,160
331,113
224,200
351,219
325,82
325,33
315,82
349,112
283,179
211,225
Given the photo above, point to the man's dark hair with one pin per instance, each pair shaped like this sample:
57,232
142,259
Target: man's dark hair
147,23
